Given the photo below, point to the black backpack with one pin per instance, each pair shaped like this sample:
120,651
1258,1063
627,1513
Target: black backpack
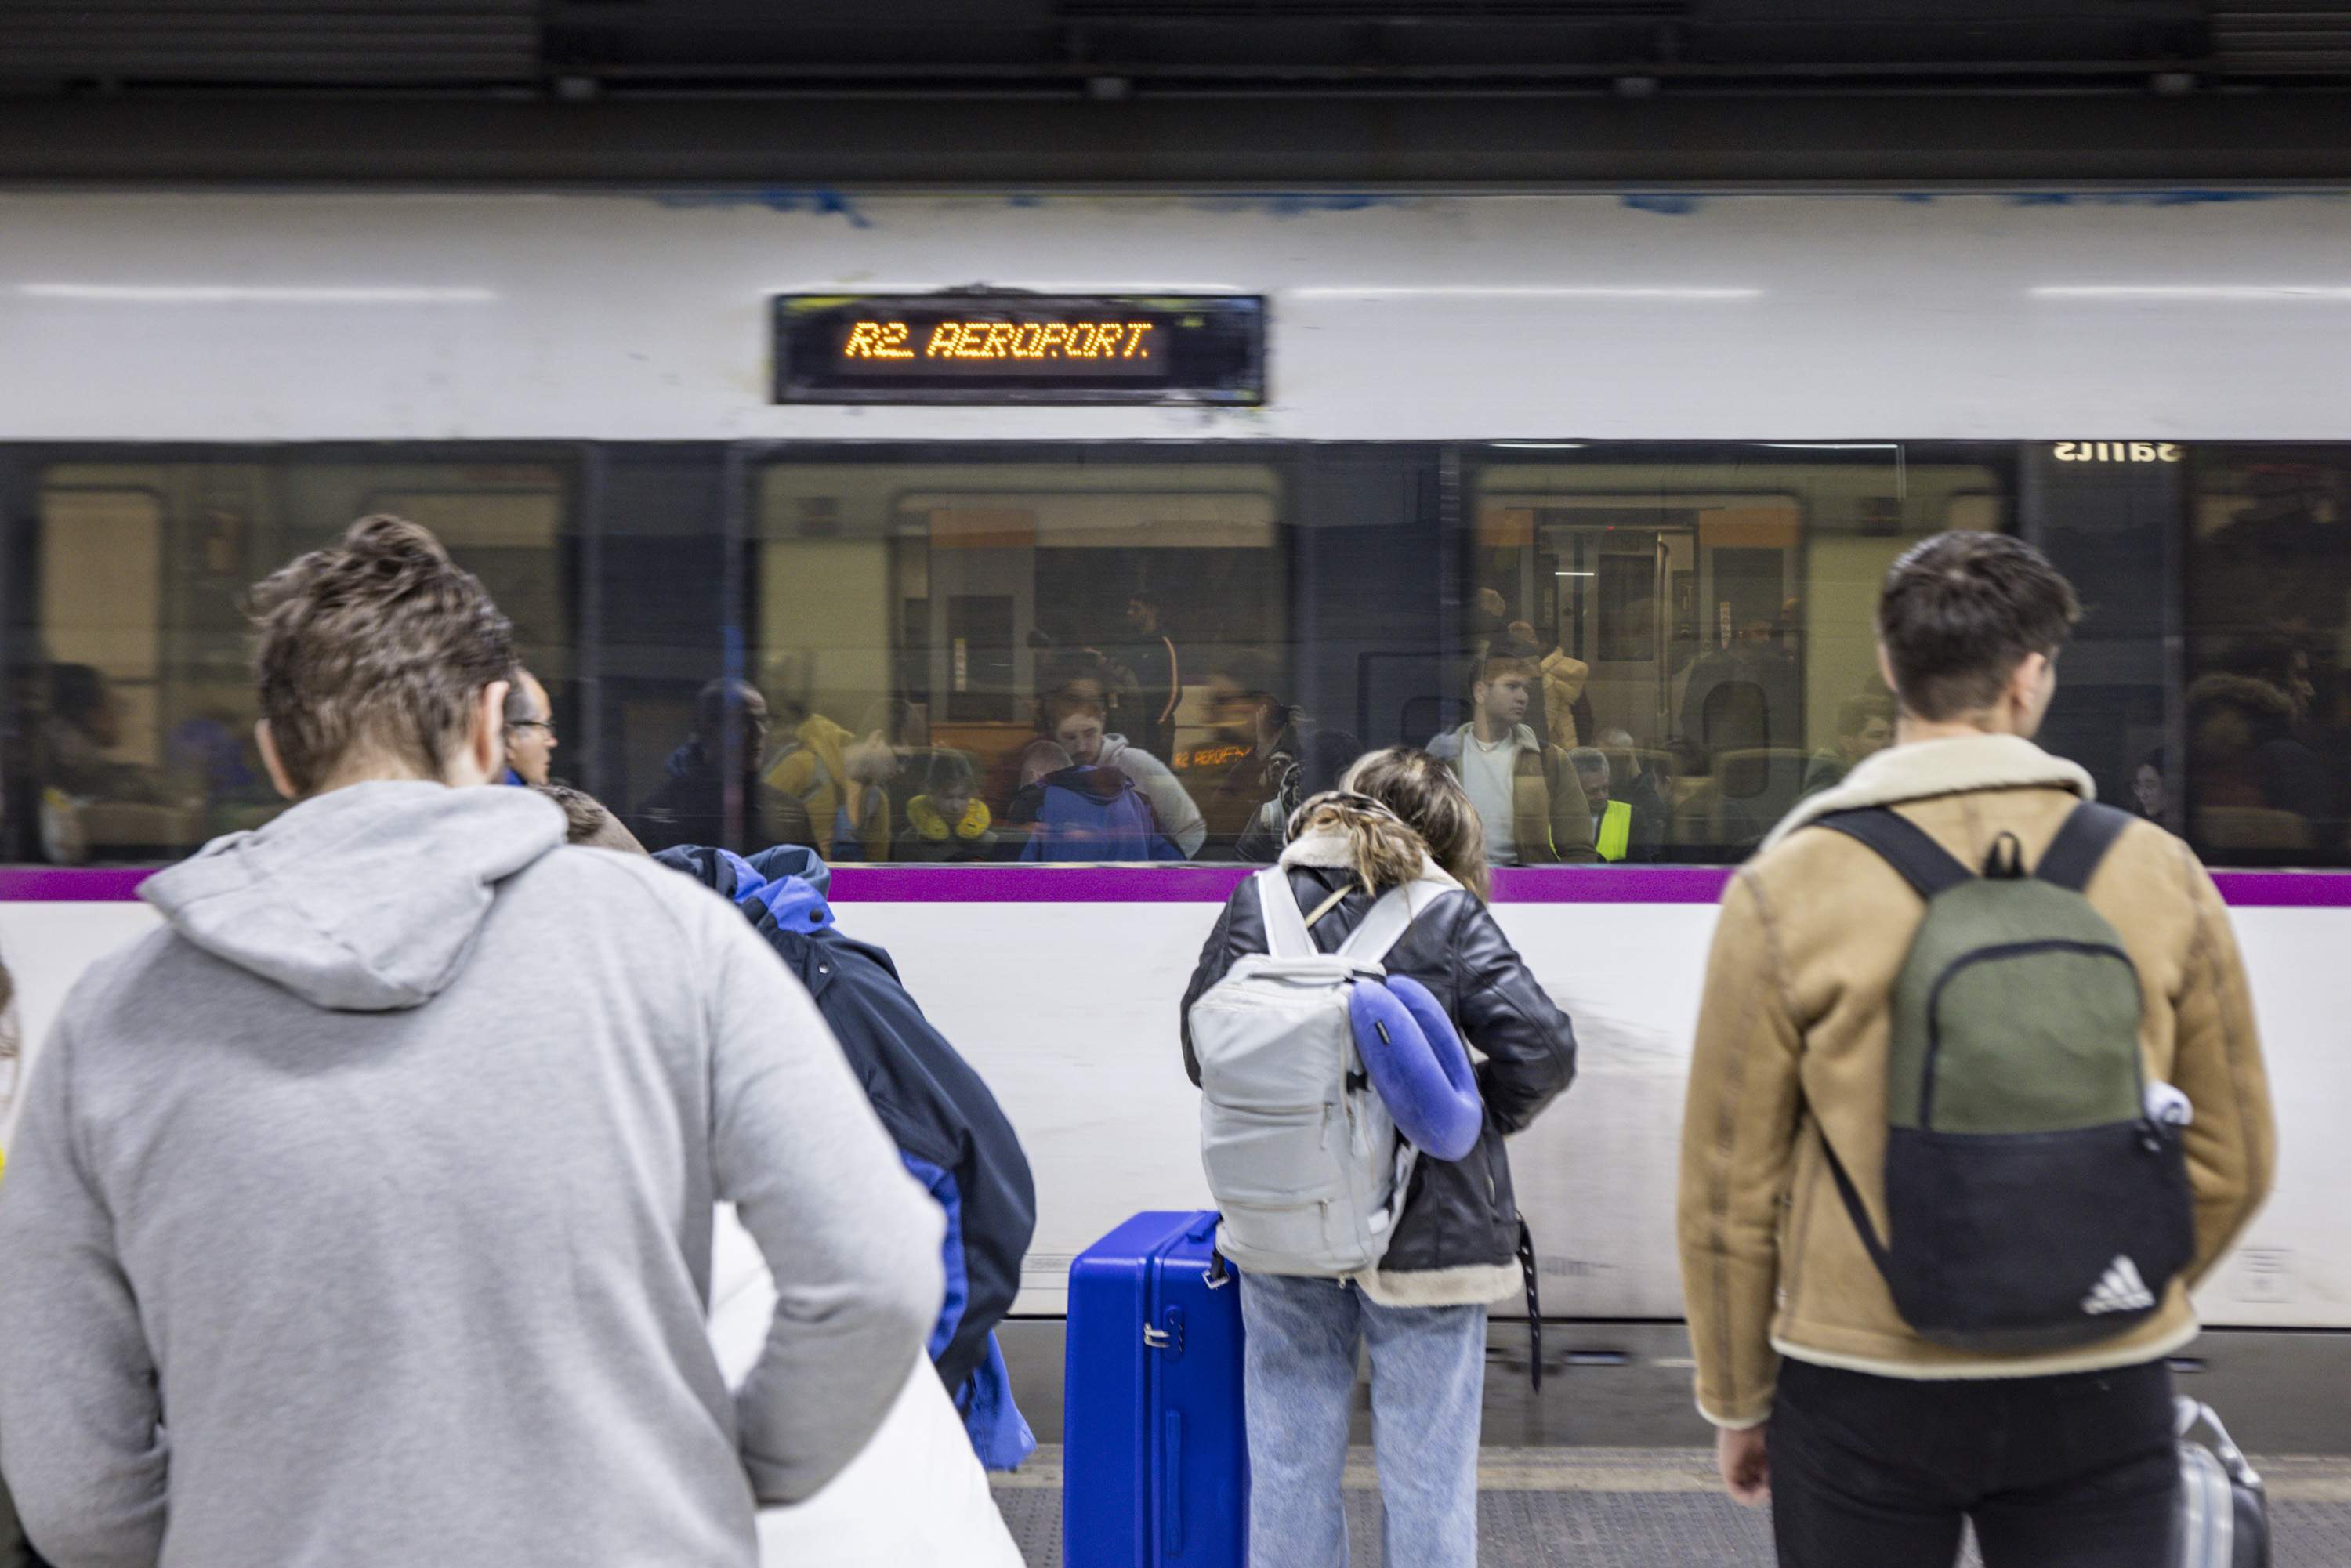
2033,1199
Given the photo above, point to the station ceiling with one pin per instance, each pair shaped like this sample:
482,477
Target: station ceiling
114,44
1128,90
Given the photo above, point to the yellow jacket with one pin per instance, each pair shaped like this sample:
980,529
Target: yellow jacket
814,770
1793,1039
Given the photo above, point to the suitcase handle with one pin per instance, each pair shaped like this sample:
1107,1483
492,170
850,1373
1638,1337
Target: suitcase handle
2189,1414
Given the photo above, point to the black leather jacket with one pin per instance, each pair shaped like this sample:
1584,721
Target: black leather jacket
1457,1213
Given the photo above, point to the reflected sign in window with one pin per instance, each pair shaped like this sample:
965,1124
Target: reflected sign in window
1020,348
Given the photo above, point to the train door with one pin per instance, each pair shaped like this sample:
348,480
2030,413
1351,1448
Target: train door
1603,581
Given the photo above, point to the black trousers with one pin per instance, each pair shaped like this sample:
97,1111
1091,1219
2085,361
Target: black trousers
2056,1472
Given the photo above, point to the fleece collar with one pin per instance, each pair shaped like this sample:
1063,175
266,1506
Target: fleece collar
1931,767
1334,851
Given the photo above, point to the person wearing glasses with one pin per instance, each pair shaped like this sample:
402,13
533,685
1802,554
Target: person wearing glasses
531,730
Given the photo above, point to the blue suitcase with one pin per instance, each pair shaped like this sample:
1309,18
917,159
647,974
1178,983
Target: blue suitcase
1154,1458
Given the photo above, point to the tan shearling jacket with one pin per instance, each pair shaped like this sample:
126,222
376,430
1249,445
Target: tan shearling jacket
1791,1044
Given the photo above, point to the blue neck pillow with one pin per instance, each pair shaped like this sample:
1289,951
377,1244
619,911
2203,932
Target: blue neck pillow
1416,1061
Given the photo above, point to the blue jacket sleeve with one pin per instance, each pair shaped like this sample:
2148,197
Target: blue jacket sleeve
943,1190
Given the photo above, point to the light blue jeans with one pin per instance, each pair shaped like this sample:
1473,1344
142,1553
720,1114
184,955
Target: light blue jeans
1428,1381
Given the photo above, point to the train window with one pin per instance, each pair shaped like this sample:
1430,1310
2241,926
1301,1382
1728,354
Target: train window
128,688
1012,660
2266,751
1683,635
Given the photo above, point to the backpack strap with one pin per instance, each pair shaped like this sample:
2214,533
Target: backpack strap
2073,856
1854,1206
1901,843
1286,935
1384,926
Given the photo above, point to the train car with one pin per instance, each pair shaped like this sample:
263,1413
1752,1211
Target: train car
1271,471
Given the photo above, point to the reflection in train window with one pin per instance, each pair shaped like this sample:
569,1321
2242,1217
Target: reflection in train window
2267,745
969,660
1702,622
131,691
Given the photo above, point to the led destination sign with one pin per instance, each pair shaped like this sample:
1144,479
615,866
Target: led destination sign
1020,348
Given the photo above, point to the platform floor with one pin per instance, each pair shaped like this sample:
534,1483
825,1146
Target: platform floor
1654,1508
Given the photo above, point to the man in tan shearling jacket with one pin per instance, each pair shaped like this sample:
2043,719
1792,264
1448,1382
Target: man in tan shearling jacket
1873,1442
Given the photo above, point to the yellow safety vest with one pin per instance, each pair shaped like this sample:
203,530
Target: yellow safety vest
1615,834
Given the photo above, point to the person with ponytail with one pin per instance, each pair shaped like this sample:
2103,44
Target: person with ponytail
1399,817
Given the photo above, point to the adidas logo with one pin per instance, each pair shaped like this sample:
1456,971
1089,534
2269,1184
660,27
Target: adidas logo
2119,1289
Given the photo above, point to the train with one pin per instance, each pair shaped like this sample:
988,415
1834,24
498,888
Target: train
1668,438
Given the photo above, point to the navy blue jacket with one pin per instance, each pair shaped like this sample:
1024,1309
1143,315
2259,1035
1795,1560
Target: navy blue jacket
939,1113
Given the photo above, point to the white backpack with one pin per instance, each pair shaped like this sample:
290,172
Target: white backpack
1303,1156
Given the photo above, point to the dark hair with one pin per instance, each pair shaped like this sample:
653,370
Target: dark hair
75,692
586,821
947,773
379,642
518,710
1424,793
1957,614
712,704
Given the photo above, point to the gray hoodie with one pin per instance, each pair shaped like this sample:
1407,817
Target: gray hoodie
363,1216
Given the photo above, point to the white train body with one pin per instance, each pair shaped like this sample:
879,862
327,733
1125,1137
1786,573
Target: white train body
1825,319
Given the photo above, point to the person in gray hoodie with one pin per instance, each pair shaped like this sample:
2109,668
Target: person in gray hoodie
361,1214
1078,730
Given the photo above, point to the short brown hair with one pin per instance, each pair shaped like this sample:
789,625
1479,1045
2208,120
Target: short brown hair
379,642
1064,706
586,821
1960,610
1502,666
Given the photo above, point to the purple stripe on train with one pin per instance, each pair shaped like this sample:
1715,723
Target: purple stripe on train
1213,883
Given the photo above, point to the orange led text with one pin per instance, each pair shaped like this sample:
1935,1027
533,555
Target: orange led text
1003,340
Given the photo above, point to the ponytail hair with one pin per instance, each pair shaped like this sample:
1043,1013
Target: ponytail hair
1385,852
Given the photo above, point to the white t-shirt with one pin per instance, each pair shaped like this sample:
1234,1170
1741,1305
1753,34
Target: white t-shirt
1488,774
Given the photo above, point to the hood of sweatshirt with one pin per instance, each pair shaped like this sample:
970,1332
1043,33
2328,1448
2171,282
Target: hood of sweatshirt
1454,743
365,899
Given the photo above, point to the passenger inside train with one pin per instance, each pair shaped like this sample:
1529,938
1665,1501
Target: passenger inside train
696,802
840,776
947,822
1526,793
1077,728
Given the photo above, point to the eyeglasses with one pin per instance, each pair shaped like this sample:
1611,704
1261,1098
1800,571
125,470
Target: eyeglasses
545,724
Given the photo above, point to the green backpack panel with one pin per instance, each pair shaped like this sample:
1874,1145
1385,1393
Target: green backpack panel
2033,1201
